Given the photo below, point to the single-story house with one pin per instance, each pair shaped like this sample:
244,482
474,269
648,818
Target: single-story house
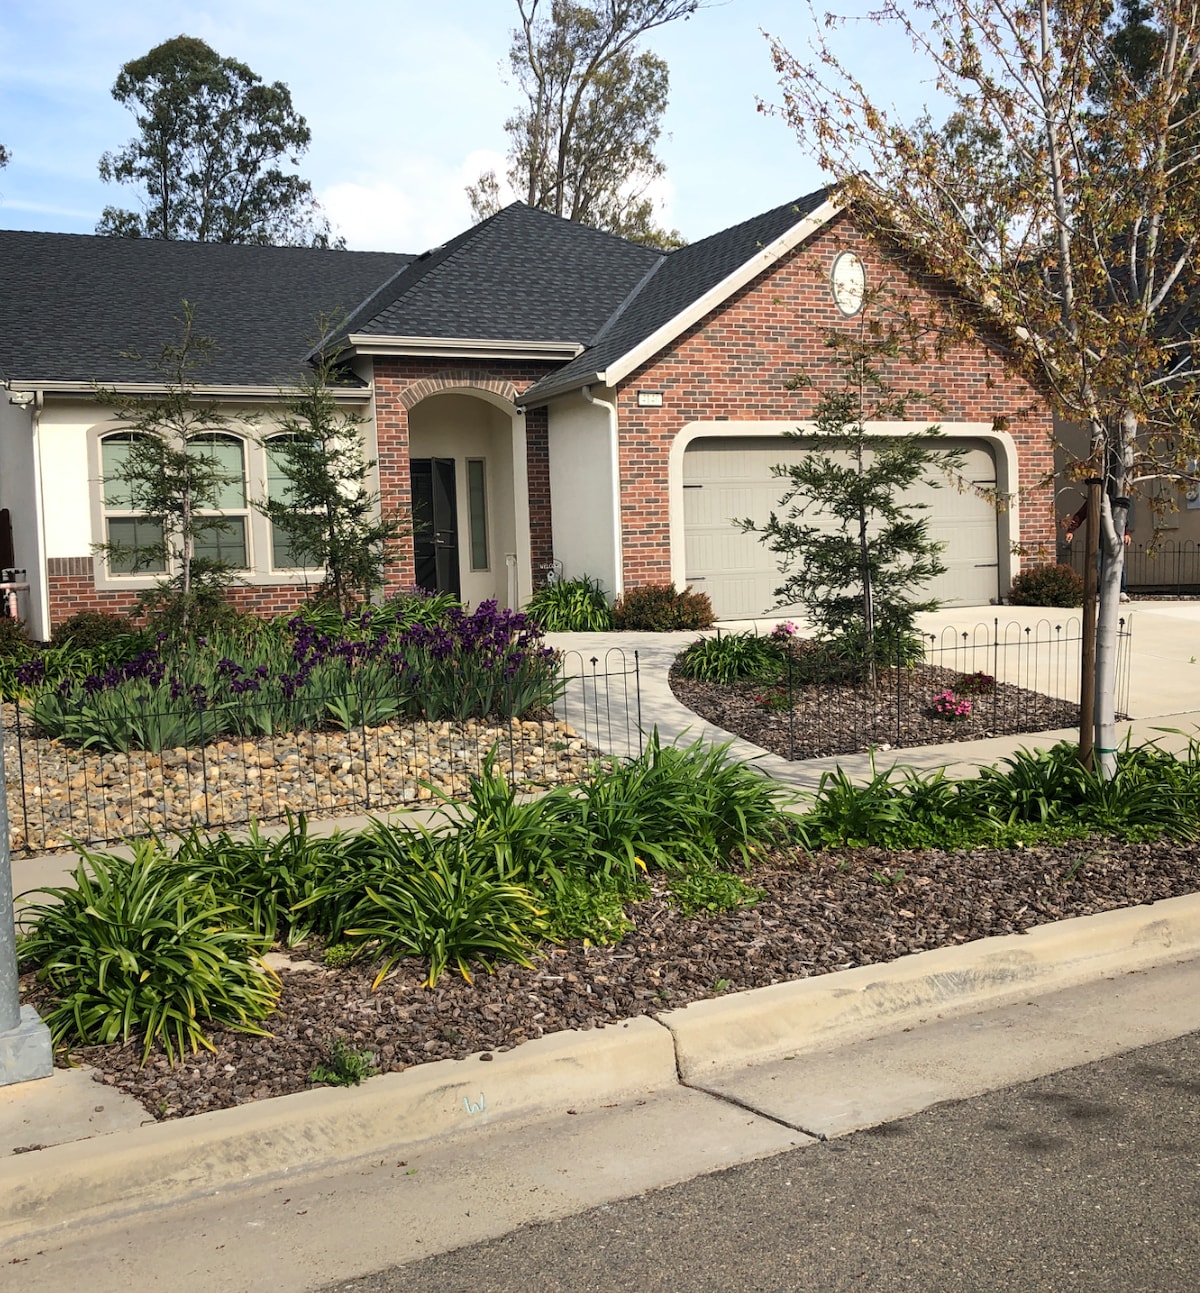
551,397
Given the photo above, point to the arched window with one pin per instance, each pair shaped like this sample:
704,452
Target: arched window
135,543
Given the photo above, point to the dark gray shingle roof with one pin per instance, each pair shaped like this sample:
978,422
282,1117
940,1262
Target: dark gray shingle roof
683,277
521,275
71,303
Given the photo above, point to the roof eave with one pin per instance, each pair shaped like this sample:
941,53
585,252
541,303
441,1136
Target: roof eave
360,343
534,398
354,394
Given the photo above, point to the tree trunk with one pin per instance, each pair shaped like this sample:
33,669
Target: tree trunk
1112,545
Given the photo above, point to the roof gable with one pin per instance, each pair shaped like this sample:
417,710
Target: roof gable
687,285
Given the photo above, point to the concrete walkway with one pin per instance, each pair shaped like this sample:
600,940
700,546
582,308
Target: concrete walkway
1164,685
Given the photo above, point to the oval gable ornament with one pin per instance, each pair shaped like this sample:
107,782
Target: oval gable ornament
848,279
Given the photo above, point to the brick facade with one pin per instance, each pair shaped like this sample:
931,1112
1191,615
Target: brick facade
735,365
72,588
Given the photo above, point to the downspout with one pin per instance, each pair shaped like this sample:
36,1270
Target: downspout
39,516
615,454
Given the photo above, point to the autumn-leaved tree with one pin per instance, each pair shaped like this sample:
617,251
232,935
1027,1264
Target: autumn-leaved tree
1066,206
212,153
583,140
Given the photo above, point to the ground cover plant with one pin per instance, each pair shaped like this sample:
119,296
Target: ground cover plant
906,862
310,671
802,698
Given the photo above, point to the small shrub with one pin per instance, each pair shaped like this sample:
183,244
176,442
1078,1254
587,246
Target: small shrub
732,656
975,684
88,629
661,608
1047,585
15,643
346,1066
571,606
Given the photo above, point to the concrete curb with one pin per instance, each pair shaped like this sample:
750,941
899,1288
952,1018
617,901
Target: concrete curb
110,1176
851,1005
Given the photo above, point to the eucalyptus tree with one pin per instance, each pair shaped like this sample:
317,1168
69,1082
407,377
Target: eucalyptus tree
212,152
582,142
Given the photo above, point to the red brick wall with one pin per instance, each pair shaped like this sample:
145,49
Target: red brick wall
72,588
400,384
735,365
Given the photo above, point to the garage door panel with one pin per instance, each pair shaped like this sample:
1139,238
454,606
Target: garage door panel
725,479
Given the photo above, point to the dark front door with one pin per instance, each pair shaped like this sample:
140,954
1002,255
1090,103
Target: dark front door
435,524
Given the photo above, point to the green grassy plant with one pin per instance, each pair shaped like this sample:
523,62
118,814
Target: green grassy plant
731,657
145,948
571,606
446,908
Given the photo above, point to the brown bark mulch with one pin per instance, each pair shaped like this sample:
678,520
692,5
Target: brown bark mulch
819,913
830,719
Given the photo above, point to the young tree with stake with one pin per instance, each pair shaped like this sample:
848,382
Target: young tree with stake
1065,208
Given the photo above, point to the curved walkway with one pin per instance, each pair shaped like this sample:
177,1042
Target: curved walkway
1164,689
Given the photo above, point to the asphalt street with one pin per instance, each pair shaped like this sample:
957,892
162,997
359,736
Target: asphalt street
1087,1179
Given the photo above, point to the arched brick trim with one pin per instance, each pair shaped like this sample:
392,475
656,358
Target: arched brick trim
456,381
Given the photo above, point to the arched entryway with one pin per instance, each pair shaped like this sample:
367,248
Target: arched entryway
470,499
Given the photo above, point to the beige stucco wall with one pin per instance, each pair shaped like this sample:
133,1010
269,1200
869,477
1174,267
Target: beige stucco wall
581,488
18,495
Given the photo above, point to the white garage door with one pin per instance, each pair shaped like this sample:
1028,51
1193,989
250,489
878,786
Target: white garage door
727,477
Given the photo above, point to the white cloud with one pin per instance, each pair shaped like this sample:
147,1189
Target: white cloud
419,204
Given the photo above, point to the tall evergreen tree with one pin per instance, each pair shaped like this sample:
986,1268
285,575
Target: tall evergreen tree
210,154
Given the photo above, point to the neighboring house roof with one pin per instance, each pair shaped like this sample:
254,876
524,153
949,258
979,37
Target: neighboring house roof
71,303
521,282
521,275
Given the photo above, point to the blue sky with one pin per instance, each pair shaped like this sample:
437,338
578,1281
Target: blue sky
406,100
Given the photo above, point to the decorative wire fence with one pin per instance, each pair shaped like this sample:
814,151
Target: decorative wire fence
1170,567
60,795
990,680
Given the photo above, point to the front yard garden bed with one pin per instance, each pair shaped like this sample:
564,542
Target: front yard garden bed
840,718
819,913
649,885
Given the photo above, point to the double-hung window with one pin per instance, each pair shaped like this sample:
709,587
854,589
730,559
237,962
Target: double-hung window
135,542
224,538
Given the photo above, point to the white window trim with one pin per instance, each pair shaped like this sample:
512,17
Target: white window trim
258,572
